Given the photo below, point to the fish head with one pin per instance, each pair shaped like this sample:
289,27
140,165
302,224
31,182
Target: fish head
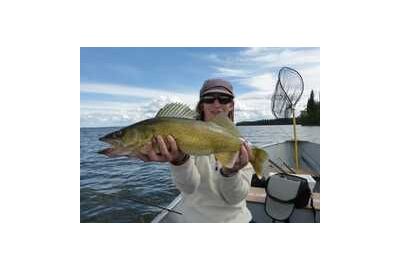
124,142
122,137
114,138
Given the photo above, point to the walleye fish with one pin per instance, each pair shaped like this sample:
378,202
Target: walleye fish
194,137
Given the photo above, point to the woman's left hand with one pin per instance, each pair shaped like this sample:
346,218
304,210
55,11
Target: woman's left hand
245,155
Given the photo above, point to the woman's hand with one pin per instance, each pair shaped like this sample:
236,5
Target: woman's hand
169,151
245,155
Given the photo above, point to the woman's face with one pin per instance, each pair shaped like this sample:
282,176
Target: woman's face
214,104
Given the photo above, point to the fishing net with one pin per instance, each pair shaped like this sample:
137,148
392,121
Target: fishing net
288,90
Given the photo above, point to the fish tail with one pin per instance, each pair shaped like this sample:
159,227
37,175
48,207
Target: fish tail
258,161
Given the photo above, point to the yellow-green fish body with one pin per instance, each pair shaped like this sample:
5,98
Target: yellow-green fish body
195,137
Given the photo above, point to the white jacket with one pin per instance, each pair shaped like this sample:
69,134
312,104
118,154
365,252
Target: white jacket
210,197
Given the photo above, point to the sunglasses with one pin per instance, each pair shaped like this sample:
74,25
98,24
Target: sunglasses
222,99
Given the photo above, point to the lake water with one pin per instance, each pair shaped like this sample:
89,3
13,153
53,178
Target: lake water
121,189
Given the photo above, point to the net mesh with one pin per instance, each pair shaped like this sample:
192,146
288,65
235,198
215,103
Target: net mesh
288,90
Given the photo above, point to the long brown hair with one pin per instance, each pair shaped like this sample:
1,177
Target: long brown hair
200,111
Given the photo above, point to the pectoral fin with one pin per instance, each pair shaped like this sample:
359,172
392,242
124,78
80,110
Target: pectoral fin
227,159
259,158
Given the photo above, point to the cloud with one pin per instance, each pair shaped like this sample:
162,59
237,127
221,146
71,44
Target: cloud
261,82
132,91
311,77
277,57
253,105
254,51
249,106
103,114
230,72
121,113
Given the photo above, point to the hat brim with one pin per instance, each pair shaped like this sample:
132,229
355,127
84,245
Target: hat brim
217,90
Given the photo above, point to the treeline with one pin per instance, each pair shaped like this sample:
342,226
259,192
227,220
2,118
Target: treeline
308,117
281,121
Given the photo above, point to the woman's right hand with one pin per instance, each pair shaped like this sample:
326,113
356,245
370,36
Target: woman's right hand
169,151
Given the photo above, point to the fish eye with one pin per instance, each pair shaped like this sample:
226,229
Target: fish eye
116,134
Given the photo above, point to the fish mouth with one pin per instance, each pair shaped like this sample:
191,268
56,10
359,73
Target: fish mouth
113,142
116,152
107,151
110,151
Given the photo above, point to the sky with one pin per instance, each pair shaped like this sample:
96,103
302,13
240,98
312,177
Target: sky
120,86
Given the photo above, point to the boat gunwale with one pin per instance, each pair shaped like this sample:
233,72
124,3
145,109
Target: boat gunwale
160,216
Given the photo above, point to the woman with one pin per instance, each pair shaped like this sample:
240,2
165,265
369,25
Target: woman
211,193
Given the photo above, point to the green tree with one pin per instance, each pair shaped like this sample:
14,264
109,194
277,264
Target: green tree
310,116
311,104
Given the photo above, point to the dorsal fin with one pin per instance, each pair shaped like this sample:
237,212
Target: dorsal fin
226,123
177,110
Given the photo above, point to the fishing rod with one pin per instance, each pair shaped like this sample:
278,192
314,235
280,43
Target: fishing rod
287,166
277,166
145,203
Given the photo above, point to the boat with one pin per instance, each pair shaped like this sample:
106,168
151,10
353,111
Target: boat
281,158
